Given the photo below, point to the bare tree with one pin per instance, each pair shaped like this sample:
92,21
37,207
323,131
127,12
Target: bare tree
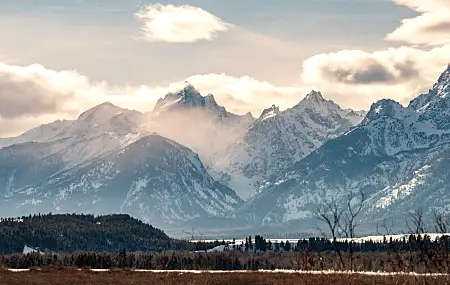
384,229
416,225
330,213
353,208
441,222
341,217
430,255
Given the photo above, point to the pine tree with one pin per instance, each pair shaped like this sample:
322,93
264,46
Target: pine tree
287,246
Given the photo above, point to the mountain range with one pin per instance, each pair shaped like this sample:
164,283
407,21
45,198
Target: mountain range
190,160
278,139
397,156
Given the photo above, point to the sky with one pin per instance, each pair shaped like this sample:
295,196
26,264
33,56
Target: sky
59,58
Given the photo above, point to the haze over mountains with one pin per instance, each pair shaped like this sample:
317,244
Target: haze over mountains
192,160
196,121
278,139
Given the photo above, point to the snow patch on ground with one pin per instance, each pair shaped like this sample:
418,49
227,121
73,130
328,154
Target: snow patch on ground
276,271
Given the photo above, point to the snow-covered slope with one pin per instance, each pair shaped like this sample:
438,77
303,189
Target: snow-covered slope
152,178
196,121
104,118
105,161
276,140
96,132
397,156
43,133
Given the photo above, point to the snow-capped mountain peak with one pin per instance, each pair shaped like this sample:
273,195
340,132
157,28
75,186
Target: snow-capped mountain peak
442,86
314,96
440,89
398,156
386,108
188,96
190,99
102,112
278,139
269,113
445,76
315,102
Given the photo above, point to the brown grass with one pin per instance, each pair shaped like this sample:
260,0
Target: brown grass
77,277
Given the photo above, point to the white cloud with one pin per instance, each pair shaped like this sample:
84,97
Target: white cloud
179,24
244,94
357,78
238,94
32,95
431,27
34,90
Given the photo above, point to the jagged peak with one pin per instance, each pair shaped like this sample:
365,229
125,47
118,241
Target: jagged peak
314,96
440,89
315,102
445,76
187,95
442,86
269,112
386,108
249,114
185,87
188,85
210,99
185,90
189,89
314,99
273,108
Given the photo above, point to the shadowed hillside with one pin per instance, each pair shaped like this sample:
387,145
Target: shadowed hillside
73,232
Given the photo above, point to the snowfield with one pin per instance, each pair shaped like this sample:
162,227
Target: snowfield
277,271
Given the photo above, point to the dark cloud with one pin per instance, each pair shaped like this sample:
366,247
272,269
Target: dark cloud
33,91
371,72
442,27
20,97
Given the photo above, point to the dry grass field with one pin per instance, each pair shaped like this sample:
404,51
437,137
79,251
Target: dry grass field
119,277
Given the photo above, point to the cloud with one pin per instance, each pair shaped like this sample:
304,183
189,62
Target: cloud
357,78
179,24
244,94
34,90
33,95
359,67
431,27
391,66
238,94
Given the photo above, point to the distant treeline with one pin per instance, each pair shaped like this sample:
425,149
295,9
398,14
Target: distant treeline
410,243
78,232
363,261
112,233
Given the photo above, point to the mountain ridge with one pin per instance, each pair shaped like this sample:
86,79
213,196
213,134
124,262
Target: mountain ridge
132,180
397,156
278,139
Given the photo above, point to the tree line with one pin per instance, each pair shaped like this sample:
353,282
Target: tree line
80,232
